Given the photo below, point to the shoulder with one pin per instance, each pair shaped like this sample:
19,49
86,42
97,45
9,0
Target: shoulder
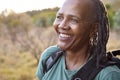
49,51
109,73
46,53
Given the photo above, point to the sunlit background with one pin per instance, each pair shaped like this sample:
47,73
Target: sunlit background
28,5
26,30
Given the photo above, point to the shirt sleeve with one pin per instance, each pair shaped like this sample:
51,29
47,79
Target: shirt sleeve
109,73
39,72
44,56
114,75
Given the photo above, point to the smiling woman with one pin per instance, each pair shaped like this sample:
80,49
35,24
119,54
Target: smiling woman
82,29
28,5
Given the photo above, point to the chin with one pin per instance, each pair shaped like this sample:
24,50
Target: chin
63,47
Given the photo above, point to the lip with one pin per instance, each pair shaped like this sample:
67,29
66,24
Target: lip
64,37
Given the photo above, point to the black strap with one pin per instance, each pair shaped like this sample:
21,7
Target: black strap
89,70
116,52
113,59
51,60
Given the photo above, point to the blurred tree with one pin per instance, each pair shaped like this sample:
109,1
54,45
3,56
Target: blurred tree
115,4
111,14
23,35
37,40
35,12
45,18
18,24
117,20
13,26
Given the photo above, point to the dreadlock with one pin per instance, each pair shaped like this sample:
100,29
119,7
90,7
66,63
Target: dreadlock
99,48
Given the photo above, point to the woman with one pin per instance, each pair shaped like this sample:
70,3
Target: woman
83,30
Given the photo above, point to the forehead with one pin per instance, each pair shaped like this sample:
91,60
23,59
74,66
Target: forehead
77,7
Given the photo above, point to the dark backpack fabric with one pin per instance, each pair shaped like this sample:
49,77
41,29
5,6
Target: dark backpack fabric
51,60
89,70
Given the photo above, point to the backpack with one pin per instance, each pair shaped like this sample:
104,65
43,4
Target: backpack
89,71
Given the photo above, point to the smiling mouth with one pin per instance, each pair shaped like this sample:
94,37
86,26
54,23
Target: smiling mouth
64,37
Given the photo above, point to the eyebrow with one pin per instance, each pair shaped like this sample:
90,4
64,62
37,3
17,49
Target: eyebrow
70,15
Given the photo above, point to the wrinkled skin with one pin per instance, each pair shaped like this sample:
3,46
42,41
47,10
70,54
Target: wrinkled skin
71,25
75,26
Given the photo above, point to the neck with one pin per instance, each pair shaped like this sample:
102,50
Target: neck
76,59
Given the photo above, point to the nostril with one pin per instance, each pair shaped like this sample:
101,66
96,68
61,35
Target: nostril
64,25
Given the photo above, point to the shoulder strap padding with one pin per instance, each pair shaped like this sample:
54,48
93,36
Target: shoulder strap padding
51,60
89,69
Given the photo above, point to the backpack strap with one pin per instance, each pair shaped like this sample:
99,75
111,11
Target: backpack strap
51,60
89,71
113,59
115,53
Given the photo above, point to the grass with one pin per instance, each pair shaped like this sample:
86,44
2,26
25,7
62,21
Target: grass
17,66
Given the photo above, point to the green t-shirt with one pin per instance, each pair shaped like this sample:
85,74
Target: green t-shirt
59,71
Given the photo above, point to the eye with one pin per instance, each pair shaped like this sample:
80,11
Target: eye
74,21
59,17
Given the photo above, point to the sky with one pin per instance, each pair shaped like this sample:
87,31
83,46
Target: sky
28,5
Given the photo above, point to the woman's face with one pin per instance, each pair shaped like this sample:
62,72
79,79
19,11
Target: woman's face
72,30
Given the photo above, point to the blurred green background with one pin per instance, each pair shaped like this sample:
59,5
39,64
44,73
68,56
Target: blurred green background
23,37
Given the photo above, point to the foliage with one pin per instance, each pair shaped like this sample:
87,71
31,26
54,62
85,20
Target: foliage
43,18
108,6
117,20
35,12
18,33
37,40
110,14
18,20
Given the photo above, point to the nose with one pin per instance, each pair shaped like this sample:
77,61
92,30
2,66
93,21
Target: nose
64,24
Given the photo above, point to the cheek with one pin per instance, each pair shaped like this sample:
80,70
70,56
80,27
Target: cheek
77,30
81,32
55,27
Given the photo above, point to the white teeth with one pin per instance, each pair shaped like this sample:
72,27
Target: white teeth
64,35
